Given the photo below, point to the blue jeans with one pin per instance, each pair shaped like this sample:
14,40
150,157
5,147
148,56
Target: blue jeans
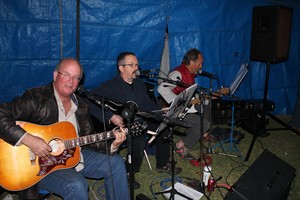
72,185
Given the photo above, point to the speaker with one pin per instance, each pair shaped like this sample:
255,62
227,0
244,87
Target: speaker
142,197
270,36
268,178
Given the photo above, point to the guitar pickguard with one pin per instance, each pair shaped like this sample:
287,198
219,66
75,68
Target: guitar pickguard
47,163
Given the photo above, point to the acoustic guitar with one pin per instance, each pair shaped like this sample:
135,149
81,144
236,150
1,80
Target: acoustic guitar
21,169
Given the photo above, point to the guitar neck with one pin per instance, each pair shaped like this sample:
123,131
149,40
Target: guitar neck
89,139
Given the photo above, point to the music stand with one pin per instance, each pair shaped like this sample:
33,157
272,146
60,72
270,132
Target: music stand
178,105
239,77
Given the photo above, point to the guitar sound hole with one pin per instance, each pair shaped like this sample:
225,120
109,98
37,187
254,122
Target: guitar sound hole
57,147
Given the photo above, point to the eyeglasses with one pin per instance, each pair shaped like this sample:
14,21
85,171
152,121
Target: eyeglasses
132,65
68,76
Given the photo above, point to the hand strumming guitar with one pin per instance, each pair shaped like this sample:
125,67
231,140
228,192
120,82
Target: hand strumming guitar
37,145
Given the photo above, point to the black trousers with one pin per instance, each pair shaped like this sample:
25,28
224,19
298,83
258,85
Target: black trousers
140,143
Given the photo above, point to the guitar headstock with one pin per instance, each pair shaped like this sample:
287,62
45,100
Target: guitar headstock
137,128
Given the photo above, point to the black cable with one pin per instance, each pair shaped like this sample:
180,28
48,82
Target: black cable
261,144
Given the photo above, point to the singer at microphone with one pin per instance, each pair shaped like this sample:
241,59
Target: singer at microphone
124,87
207,74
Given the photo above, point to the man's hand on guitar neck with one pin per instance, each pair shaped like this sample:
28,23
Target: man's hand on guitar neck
215,95
120,135
37,145
165,110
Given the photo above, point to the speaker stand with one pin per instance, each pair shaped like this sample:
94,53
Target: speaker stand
266,113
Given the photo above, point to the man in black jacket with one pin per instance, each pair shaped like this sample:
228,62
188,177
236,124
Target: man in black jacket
124,88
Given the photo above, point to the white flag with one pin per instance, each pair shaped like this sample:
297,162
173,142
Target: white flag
165,61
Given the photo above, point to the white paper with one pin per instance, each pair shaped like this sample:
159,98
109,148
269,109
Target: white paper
185,190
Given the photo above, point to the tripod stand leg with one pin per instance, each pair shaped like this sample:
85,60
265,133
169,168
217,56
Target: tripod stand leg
250,148
265,103
283,124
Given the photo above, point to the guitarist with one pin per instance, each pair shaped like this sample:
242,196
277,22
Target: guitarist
124,87
186,73
57,102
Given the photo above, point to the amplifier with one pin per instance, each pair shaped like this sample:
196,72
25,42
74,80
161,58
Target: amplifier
254,104
268,178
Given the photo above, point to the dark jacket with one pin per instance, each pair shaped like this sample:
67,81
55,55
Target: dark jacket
121,92
39,106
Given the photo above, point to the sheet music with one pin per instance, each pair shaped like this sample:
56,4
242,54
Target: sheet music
238,78
179,104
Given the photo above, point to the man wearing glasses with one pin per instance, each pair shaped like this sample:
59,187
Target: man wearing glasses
128,87
48,105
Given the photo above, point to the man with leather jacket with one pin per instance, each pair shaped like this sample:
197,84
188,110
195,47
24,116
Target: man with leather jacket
56,102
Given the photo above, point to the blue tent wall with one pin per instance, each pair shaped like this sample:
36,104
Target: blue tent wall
31,45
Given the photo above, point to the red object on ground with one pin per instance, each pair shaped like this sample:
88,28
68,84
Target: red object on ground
207,161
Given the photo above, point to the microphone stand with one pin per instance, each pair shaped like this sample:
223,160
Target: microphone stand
128,114
98,100
167,80
170,122
209,149
201,185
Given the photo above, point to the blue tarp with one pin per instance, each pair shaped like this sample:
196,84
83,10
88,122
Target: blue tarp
34,35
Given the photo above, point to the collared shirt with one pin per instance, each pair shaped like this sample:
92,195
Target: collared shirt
70,117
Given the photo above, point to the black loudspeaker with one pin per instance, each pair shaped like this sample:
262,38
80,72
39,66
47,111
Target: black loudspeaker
268,178
142,197
271,30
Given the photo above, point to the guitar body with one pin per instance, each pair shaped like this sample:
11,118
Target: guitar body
19,168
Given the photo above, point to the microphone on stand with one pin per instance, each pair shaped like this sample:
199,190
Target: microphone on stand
207,74
113,106
82,91
146,73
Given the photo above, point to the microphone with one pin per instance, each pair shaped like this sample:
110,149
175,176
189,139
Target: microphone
113,106
90,96
207,74
146,73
